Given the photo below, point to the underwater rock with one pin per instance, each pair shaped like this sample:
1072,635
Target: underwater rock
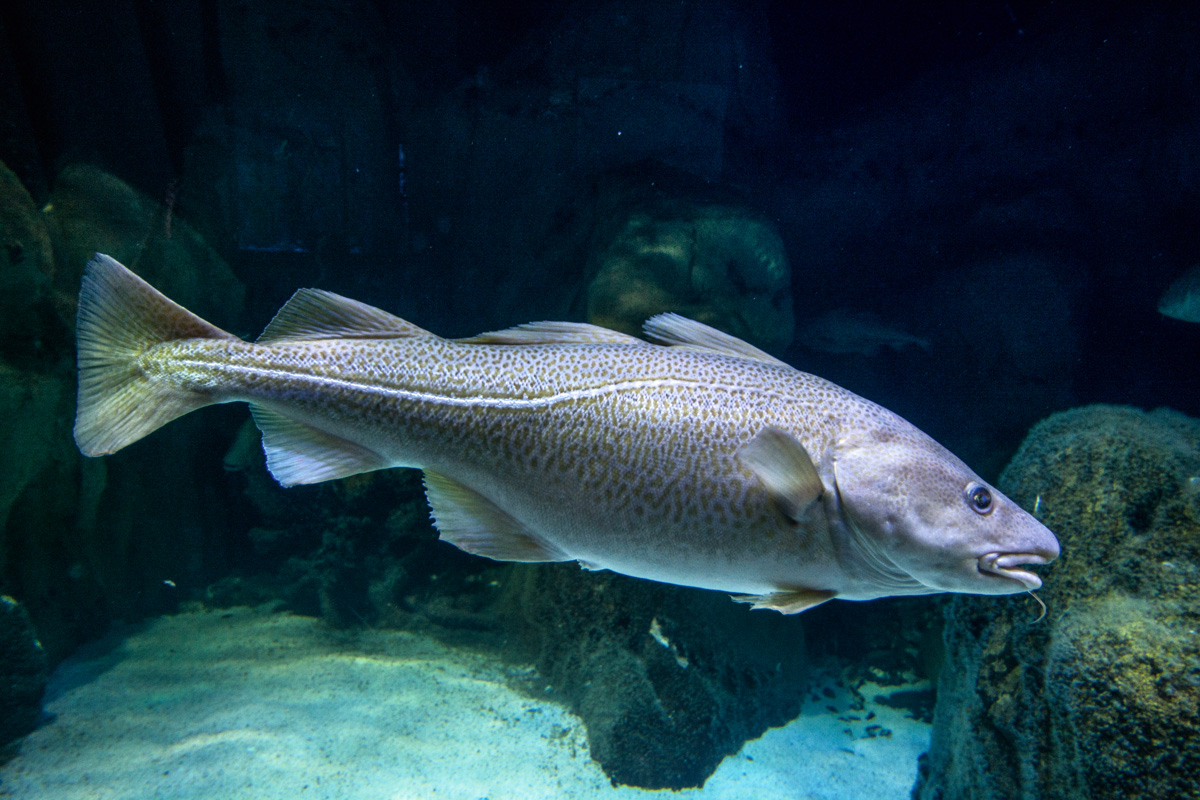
361,550
23,672
39,472
656,239
1101,699
92,210
33,320
46,502
668,680
82,542
29,450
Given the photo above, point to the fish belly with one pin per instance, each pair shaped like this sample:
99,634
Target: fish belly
623,482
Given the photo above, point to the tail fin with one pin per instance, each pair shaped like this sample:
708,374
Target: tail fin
120,317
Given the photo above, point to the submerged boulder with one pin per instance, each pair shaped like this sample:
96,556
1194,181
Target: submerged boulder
668,680
82,540
93,210
1101,698
655,239
33,320
22,672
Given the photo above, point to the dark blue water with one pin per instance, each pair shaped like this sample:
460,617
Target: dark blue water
964,212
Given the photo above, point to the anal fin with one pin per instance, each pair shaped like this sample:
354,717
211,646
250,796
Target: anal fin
473,523
791,601
300,453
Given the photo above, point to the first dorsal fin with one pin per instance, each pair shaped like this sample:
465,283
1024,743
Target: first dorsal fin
554,333
673,329
317,314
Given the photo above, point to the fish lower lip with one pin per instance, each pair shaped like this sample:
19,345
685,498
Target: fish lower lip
1005,565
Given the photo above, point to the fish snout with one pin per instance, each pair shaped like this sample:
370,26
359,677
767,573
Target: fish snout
1005,565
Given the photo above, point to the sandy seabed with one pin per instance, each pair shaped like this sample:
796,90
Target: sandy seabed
252,704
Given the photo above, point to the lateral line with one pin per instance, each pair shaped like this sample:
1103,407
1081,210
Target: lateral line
485,402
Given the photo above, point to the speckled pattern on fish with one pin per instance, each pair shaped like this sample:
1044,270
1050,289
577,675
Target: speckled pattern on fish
702,462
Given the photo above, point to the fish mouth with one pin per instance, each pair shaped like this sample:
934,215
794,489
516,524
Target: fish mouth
1005,565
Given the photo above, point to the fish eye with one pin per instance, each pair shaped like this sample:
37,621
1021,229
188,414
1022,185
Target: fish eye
979,498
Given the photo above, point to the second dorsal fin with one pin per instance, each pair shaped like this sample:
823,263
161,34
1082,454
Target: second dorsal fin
554,333
318,314
673,329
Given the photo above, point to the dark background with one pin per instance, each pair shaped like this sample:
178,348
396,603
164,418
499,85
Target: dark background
1016,183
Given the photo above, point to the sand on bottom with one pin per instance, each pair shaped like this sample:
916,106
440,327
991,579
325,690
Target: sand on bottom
247,703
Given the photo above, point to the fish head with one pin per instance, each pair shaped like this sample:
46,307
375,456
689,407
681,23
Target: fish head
921,521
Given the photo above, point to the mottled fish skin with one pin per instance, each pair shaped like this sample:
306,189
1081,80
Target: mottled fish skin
601,448
620,455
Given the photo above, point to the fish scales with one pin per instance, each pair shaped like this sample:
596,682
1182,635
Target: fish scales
640,437
700,461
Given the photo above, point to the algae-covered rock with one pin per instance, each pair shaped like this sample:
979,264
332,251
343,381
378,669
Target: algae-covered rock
668,680
83,541
32,323
656,239
38,446
28,258
22,672
94,211
45,505
1101,698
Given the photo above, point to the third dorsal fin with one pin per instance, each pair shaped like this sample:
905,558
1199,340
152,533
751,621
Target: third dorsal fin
673,329
317,314
554,333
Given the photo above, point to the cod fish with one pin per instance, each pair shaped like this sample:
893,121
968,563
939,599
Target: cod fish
1182,298
861,333
696,460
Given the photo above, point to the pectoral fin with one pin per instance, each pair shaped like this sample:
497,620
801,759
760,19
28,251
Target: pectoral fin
785,469
789,602
473,523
